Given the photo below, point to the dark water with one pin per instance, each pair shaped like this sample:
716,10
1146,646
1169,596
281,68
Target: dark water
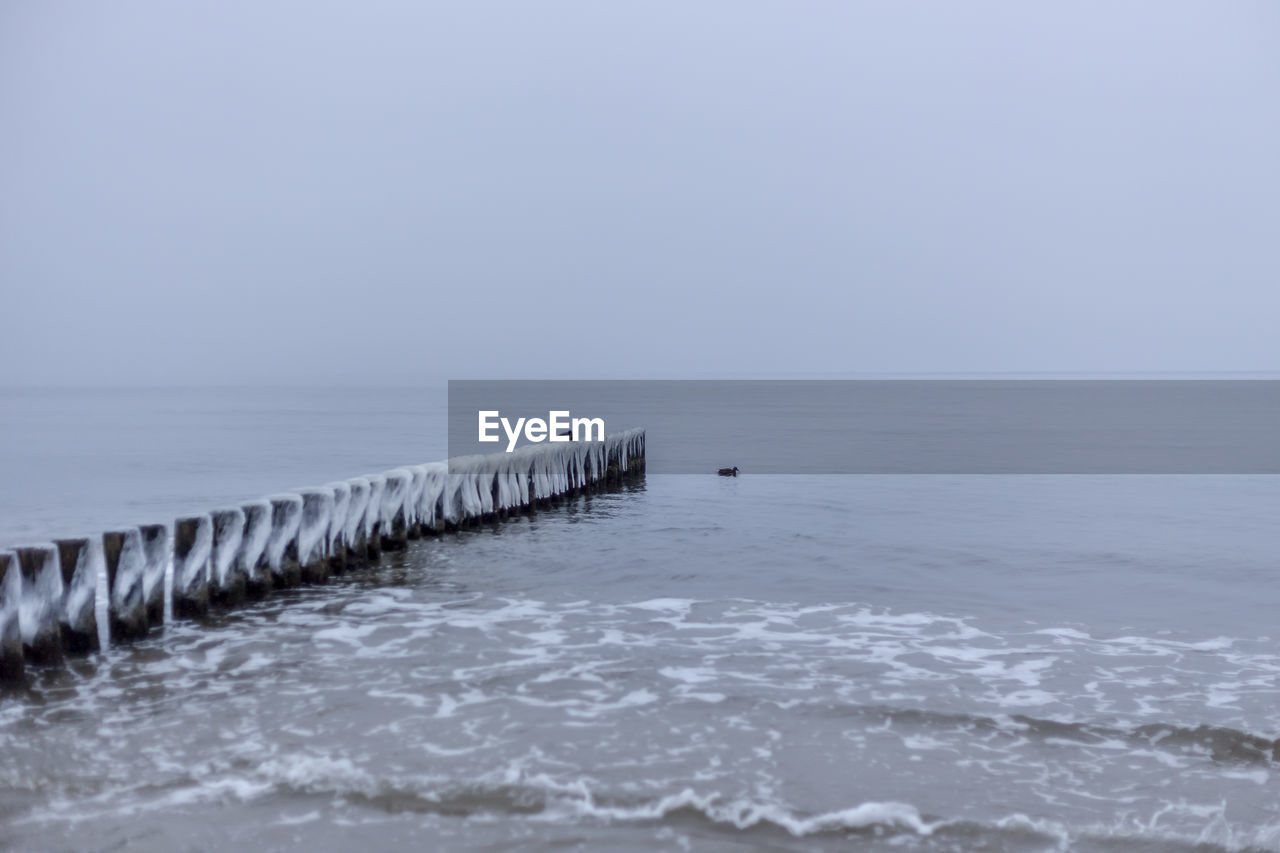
768,662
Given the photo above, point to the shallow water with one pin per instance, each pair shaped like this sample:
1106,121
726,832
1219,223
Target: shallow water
769,662
788,663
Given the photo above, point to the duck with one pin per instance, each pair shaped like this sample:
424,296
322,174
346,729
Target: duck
728,472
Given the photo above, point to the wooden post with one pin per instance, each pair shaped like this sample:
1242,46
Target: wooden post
126,564
282,545
192,555
41,603
395,523
373,517
12,669
227,582
357,546
412,503
430,511
251,561
338,527
155,548
313,534
80,560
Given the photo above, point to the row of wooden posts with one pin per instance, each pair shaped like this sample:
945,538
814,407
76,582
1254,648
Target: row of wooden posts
49,591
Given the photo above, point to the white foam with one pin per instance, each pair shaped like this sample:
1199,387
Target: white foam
745,814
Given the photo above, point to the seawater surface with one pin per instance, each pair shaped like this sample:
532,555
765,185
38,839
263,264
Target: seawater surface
704,663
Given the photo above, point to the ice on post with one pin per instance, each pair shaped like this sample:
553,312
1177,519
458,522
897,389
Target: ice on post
40,610
192,558
252,562
227,583
313,534
126,565
81,561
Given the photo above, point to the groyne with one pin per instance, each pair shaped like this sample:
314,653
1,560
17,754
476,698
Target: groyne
51,592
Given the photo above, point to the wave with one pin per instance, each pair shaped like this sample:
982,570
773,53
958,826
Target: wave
744,819
539,798
518,795
1218,743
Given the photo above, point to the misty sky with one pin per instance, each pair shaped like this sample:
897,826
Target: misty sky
385,192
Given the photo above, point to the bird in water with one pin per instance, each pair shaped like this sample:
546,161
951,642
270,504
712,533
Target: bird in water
728,472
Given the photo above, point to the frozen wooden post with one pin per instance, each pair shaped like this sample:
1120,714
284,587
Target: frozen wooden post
251,561
313,534
417,482
155,549
80,560
613,468
436,475
338,527
126,563
192,556
467,496
41,608
487,486
394,522
11,665
450,502
227,583
373,517
636,456
282,545
432,504
357,547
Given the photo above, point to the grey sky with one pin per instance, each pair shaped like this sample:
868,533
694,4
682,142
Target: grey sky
230,192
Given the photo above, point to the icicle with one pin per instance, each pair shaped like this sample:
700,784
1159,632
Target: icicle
353,533
282,544
450,501
313,534
337,538
373,516
578,466
520,466
413,500
393,518
463,501
436,476
508,496
252,562
482,483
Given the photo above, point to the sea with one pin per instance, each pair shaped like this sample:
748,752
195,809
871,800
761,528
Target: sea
691,662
